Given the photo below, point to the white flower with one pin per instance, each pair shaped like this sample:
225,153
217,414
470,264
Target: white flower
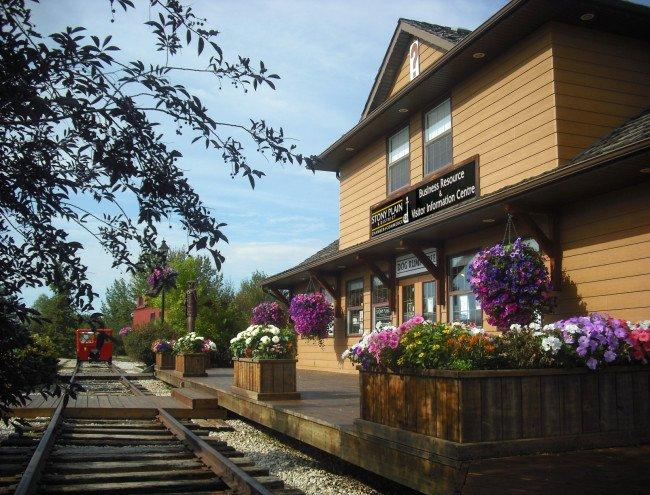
538,334
477,330
275,339
265,340
248,341
534,326
551,343
275,331
345,354
572,328
549,328
515,327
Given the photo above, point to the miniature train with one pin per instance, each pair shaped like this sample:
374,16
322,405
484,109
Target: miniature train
94,345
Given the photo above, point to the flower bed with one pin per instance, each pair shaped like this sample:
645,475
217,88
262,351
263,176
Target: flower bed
264,362
163,349
575,383
190,353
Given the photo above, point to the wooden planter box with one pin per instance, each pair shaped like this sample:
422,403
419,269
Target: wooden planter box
266,379
165,361
191,364
470,414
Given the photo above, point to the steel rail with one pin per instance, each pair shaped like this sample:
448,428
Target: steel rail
126,381
32,475
234,476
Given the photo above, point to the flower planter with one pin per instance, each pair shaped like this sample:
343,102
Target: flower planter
266,379
473,414
191,364
165,361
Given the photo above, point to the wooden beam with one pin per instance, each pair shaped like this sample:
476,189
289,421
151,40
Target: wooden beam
333,290
436,270
278,295
377,272
550,247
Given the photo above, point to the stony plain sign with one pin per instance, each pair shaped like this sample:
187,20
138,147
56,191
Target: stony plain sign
449,189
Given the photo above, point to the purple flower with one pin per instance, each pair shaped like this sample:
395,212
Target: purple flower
311,314
511,282
269,313
592,363
609,356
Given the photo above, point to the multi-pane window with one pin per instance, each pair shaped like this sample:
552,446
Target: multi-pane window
463,305
354,303
381,316
408,302
429,301
437,137
399,165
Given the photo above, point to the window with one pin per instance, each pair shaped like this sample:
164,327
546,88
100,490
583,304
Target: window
354,303
429,301
381,316
399,163
408,302
463,306
437,137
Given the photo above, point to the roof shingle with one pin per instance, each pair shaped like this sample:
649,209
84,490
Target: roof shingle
453,35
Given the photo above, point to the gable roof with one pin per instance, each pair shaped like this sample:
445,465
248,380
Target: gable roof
441,37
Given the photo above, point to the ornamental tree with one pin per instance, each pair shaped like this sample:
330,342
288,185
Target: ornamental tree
80,126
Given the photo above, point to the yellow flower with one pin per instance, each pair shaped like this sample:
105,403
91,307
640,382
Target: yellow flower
435,347
421,355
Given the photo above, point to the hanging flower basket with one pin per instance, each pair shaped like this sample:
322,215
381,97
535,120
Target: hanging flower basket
511,283
311,314
269,313
162,277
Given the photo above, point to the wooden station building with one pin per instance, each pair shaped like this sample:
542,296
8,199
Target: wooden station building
541,113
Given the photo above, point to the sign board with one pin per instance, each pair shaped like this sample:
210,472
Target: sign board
408,265
449,189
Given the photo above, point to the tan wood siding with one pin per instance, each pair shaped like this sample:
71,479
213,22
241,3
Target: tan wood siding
428,55
505,113
606,245
601,81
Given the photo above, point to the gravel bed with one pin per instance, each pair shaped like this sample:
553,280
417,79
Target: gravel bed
304,467
156,387
5,430
129,366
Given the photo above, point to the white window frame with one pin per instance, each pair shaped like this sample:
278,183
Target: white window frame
398,154
437,125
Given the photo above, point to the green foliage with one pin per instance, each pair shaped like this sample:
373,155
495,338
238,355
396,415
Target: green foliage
119,303
138,342
59,322
27,362
443,346
521,349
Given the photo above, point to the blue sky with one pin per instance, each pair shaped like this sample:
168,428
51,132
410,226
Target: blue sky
327,54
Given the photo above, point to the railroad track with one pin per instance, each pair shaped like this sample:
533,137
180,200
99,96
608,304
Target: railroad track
112,456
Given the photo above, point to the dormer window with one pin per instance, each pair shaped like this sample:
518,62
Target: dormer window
399,163
437,137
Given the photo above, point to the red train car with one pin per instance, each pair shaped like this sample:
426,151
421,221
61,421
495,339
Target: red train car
94,345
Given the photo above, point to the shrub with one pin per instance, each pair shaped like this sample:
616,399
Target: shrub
137,343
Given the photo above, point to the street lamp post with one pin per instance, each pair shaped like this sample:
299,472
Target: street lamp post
164,250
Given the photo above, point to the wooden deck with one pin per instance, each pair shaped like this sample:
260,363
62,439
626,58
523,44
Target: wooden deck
111,406
324,418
